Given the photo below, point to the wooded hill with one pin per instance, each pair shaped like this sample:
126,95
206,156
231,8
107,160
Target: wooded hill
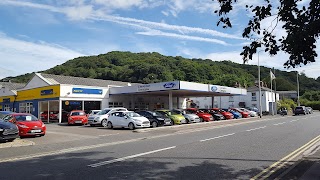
154,67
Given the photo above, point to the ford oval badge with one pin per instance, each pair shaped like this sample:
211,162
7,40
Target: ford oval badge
214,88
169,85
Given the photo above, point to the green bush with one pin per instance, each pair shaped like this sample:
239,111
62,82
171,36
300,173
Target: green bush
289,104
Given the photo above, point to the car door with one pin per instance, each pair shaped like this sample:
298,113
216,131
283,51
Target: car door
114,119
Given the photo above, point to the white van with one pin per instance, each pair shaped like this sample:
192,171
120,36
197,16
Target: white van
101,117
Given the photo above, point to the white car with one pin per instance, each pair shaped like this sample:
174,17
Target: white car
128,119
251,113
101,117
190,117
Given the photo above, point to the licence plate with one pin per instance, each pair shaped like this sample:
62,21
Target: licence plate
36,131
168,122
78,121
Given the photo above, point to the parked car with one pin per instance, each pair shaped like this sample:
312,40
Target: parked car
4,113
244,114
28,124
251,113
202,115
175,117
156,119
190,117
101,117
283,111
226,114
300,110
236,115
128,119
77,117
8,131
216,115
309,110
93,112
254,109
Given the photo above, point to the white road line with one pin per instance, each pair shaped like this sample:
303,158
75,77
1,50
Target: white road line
108,135
128,157
217,137
279,123
294,120
256,128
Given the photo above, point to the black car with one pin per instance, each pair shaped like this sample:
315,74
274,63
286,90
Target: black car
156,119
300,110
8,131
216,115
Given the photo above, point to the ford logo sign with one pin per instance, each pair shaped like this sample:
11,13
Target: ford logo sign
214,88
169,85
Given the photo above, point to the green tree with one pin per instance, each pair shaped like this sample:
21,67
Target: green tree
300,23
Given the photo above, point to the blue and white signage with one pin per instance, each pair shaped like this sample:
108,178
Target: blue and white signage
158,86
86,91
46,92
169,85
214,88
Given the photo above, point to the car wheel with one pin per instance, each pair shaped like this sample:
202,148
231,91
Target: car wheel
154,124
187,121
109,125
104,123
171,123
10,140
201,119
131,126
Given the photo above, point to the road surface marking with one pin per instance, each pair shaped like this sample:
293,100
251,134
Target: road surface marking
279,123
128,157
217,137
278,165
70,134
294,120
256,128
108,135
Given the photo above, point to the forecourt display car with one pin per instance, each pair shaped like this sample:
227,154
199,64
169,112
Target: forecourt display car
175,117
156,119
8,131
28,124
128,119
77,117
190,117
101,117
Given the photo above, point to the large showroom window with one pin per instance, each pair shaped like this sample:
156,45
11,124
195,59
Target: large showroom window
115,104
92,105
25,107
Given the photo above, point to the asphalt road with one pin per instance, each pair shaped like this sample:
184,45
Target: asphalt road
223,150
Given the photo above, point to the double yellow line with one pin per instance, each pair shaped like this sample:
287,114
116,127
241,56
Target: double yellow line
281,163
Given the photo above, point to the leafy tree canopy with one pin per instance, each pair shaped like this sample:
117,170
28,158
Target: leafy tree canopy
301,23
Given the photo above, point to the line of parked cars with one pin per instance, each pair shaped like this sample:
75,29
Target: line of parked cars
122,117
303,110
14,125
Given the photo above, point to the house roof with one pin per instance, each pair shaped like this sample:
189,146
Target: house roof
12,86
287,92
255,88
60,79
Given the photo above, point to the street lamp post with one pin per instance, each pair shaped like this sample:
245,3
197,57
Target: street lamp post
259,80
298,101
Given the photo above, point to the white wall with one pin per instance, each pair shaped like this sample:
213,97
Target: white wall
36,82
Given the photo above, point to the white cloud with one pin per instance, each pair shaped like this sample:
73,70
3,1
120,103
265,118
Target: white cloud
78,12
183,37
19,57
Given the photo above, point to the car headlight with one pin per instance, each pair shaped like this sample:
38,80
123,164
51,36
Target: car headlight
22,126
43,125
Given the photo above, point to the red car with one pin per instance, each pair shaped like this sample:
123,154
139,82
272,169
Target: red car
202,115
226,114
77,117
28,124
52,116
243,113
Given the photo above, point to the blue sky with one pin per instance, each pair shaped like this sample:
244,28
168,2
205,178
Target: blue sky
37,35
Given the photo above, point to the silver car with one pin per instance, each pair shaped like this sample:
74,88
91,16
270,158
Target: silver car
190,117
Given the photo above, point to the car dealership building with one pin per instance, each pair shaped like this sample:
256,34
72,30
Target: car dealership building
47,93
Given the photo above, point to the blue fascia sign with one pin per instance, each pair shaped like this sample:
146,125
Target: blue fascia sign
6,100
46,92
169,85
86,91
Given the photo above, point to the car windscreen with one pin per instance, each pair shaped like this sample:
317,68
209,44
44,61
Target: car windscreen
26,118
77,114
105,111
157,114
133,114
173,113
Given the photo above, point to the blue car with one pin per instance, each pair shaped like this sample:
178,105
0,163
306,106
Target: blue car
4,113
235,114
